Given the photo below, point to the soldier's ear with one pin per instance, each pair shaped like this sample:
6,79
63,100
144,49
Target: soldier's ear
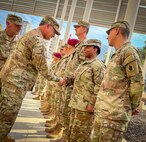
96,49
118,31
47,25
7,23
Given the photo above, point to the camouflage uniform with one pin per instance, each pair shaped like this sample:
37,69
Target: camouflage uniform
59,90
36,85
19,74
75,59
39,85
51,86
119,95
7,42
87,82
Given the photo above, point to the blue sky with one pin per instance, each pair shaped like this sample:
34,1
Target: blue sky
94,32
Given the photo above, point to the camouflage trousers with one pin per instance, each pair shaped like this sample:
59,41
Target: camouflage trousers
36,85
57,101
10,102
80,126
66,110
39,85
47,91
107,131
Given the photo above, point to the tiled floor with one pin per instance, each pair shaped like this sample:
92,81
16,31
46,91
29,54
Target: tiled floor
29,125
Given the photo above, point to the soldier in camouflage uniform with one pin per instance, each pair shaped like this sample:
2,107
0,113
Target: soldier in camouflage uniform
20,70
75,59
8,37
49,85
63,49
87,80
121,88
58,91
51,91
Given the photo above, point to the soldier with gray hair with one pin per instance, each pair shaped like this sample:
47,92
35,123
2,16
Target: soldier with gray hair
8,37
121,89
20,71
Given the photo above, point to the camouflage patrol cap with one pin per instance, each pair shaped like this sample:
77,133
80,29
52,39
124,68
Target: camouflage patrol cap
14,19
82,23
93,42
52,22
119,24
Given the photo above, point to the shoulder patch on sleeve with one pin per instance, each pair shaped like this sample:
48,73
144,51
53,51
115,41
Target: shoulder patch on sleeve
132,69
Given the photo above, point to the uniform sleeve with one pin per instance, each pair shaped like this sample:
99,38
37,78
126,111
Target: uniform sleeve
79,57
133,70
40,62
98,73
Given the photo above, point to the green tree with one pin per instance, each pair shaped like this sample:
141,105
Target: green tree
143,53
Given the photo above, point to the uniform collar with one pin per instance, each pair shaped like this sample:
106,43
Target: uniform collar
120,49
92,60
123,46
81,42
8,38
39,32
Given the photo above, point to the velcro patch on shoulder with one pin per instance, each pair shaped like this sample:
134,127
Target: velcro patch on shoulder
132,69
129,59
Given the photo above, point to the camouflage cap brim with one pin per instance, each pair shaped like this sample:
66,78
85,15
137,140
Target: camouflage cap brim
57,32
77,26
119,24
108,31
92,45
93,42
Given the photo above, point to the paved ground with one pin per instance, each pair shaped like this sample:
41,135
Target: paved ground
29,125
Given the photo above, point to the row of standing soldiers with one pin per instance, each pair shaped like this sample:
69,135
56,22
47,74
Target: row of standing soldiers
91,104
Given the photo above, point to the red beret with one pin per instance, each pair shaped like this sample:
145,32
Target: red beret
72,41
57,54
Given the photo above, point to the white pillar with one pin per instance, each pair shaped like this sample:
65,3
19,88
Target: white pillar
71,14
88,9
131,13
34,6
61,23
56,10
12,5
116,18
